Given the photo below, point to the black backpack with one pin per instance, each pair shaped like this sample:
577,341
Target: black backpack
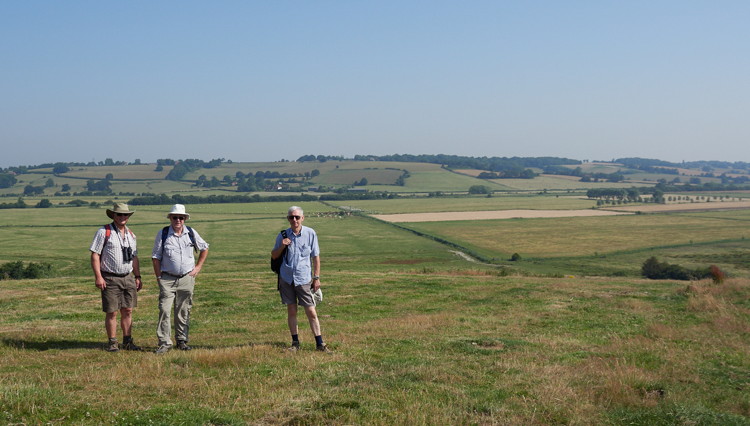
276,263
165,234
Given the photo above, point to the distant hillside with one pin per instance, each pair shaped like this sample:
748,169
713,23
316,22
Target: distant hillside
363,176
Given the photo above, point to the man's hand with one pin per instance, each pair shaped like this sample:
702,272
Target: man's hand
100,283
195,271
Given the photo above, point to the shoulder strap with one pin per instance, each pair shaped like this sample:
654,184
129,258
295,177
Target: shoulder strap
107,233
191,234
165,234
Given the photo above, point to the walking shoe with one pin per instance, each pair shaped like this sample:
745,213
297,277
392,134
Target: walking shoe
183,346
161,350
322,348
293,348
112,346
131,346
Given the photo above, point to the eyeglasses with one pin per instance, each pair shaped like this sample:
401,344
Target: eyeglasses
178,217
293,216
122,214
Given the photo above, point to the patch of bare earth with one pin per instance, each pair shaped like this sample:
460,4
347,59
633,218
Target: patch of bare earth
492,214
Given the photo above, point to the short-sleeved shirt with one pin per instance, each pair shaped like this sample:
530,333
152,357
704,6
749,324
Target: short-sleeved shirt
177,257
111,255
297,267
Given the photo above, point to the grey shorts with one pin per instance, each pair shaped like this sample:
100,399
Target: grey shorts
120,292
296,294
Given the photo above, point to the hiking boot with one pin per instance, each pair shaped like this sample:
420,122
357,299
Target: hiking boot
183,346
293,348
322,348
131,346
112,346
161,350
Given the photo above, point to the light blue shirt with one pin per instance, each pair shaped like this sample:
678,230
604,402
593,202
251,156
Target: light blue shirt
297,267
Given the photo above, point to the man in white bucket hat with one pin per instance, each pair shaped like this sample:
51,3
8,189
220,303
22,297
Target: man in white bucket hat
175,268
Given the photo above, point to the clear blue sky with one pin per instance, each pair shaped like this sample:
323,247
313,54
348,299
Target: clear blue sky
266,80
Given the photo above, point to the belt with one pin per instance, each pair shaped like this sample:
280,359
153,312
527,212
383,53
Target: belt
174,275
112,274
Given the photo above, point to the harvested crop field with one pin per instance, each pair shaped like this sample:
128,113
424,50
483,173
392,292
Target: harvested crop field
686,207
494,214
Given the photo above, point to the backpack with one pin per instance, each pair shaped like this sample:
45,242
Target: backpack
108,232
276,263
165,234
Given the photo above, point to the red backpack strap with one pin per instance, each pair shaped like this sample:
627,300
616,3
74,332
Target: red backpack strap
107,233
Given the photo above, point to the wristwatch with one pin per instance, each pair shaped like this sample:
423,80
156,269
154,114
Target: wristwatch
316,277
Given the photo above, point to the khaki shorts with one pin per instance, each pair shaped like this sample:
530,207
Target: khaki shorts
121,292
296,294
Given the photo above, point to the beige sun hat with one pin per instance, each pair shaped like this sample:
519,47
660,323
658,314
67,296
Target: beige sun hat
178,209
119,208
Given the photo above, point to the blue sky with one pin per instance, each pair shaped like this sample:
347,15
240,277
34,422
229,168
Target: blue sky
262,81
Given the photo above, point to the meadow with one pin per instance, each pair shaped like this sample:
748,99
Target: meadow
420,335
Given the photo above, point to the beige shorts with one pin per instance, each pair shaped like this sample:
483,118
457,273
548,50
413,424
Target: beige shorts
121,292
296,294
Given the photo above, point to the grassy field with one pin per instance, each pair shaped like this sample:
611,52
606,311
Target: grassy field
468,203
419,335
613,245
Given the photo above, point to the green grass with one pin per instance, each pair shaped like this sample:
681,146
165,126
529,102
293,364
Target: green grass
467,203
568,245
420,336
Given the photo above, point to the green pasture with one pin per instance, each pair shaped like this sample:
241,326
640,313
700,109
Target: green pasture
437,181
350,176
558,183
467,203
605,245
130,171
419,335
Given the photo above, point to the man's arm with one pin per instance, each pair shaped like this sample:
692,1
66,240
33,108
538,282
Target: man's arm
198,266
316,272
137,273
284,243
157,267
96,266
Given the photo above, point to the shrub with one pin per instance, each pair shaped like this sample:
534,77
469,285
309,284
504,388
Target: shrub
515,257
16,270
716,274
656,270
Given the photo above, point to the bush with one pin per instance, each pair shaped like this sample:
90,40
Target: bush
16,270
717,274
656,270
515,257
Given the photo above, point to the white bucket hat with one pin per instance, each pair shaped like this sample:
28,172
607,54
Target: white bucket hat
178,209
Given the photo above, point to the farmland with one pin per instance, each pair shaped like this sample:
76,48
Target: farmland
569,333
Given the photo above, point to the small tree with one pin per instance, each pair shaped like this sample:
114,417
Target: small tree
479,189
43,204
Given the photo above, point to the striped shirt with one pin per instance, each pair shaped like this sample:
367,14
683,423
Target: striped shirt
111,255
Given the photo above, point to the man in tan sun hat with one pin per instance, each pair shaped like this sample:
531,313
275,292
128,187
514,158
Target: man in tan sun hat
114,259
175,268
